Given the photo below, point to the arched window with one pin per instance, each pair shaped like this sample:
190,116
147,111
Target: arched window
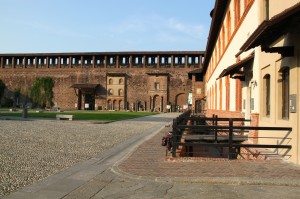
121,81
110,92
110,81
267,92
121,93
121,106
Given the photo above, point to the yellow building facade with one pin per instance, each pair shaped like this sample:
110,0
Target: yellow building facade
252,67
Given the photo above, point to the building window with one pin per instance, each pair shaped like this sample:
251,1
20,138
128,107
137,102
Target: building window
121,93
228,24
285,92
110,81
267,92
223,39
156,86
121,81
110,92
237,12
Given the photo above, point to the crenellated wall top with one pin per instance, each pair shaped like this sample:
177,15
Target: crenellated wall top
151,59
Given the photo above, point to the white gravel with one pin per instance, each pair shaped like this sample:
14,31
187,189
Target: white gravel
33,150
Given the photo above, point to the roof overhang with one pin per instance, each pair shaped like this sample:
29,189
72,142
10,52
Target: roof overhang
85,88
218,14
269,31
234,69
196,71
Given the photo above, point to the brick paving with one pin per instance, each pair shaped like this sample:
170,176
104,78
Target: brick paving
149,160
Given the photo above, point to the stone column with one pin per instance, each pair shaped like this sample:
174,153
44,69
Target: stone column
151,103
93,66
162,104
35,62
70,61
255,123
81,61
47,62
158,61
59,62
13,62
25,62
105,61
130,61
186,61
200,61
172,61
1,62
117,62
144,58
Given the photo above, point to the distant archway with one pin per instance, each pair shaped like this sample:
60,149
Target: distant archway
180,100
198,107
156,103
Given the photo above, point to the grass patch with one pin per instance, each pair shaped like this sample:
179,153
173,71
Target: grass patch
83,115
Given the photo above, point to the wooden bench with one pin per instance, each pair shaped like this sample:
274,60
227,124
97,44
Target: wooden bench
65,117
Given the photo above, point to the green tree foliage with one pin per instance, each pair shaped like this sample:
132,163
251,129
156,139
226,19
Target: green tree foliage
41,92
2,87
17,94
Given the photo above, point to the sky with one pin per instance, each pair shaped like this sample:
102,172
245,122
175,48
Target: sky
54,26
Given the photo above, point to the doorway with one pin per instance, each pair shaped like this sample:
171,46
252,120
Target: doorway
89,101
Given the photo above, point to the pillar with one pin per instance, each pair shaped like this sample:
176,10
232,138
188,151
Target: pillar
162,104
1,62
253,134
93,58
47,62
59,62
130,61
200,61
70,61
186,61
151,103
144,58
117,62
105,61
13,62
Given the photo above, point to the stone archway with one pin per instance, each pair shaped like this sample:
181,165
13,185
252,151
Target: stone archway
120,106
198,107
180,100
156,103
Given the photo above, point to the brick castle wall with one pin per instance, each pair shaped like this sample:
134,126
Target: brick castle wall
138,84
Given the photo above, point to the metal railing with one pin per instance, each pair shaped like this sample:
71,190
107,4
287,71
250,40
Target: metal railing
227,135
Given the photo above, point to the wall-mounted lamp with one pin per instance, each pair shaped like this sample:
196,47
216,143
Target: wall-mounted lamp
253,83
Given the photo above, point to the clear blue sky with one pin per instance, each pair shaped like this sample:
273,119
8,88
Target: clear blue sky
41,26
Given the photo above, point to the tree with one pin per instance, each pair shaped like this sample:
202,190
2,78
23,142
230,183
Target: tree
2,88
41,92
17,94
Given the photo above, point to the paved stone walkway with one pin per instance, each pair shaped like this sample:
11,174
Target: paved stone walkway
149,161
137,169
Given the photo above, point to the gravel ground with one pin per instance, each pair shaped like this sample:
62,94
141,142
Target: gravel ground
33,150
